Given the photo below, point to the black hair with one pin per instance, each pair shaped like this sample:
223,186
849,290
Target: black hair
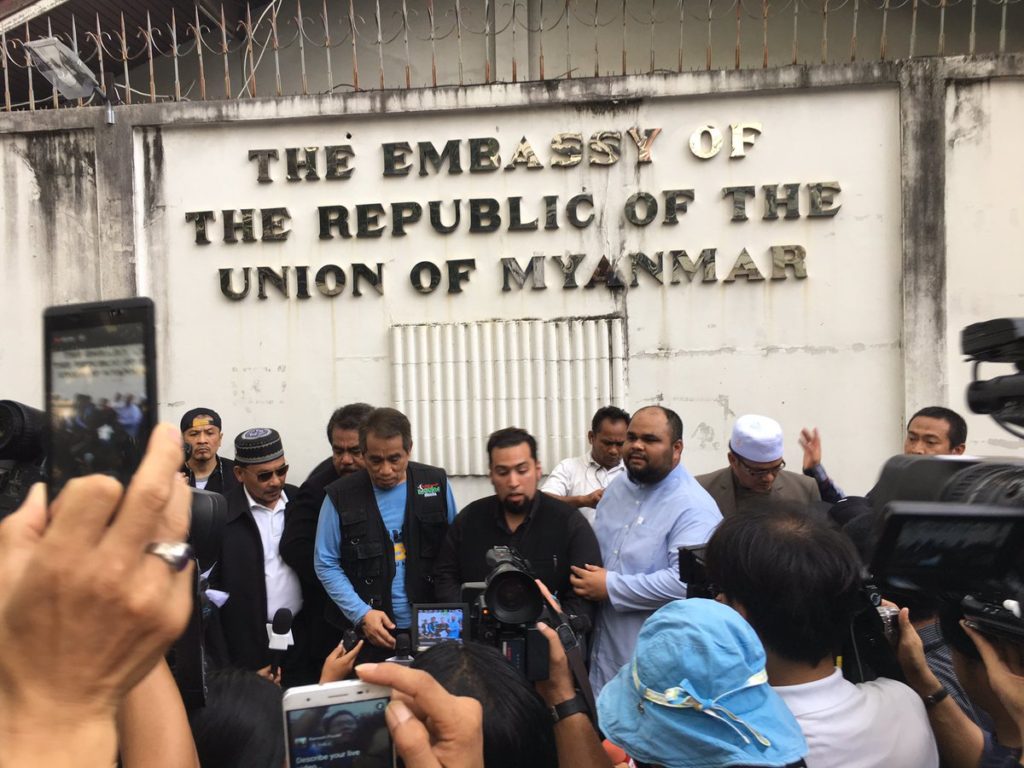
348,417
509,437
797,579
608,413
957,425
517,725
241,725
386,423
675,424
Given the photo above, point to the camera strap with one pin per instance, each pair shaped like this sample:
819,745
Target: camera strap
574,655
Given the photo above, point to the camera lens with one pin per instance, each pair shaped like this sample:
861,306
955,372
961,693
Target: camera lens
21,431
513,597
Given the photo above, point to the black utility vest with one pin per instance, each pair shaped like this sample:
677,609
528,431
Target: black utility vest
367,552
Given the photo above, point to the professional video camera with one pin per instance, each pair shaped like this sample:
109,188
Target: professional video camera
949,528
21,452
504,611
953,527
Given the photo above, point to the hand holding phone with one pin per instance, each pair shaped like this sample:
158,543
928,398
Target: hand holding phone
431,728
100,388
337,725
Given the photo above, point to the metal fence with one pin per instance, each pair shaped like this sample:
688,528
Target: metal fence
287,47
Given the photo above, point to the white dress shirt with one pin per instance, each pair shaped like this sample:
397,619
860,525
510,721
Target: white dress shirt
579,476
880,724
283,588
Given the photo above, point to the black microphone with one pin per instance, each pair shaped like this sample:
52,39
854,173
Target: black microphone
279,640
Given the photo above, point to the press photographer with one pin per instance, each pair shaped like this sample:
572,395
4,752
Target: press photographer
798,582
549,534
950,533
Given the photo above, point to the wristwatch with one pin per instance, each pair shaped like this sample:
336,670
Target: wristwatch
569,707
934,698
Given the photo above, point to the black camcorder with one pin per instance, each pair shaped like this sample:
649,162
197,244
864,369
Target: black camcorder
952,527
504,611
21,453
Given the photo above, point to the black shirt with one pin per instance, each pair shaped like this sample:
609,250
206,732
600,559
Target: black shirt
552,537
222,479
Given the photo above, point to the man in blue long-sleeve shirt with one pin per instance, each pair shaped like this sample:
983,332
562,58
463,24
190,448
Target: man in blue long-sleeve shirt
641,522
379,531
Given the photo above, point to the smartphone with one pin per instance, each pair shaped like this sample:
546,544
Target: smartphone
100,395
338,725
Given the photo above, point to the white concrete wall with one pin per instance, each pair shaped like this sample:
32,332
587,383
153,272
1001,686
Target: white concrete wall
49,239
824,350
985,234
827,351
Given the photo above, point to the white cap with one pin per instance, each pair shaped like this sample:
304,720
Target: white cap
757,439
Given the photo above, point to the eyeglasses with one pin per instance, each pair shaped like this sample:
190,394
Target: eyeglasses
265,476
759,472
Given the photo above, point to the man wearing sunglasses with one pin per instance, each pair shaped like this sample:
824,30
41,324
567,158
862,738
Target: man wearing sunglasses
250,569
756,475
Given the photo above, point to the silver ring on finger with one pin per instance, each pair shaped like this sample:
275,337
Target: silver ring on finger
177,554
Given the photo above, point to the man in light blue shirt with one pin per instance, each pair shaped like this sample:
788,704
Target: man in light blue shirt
642,520
378,533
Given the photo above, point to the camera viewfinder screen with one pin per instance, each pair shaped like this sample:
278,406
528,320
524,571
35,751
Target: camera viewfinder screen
952,547
438,625
97,401
351,735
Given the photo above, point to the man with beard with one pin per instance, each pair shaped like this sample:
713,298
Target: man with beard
298,542
642,520
250,568
549,533
201,431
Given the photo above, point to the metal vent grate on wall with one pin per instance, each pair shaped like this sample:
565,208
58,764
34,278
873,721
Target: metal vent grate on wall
459,382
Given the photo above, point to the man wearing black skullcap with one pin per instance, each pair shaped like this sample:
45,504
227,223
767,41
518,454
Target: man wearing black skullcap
250,570
204,469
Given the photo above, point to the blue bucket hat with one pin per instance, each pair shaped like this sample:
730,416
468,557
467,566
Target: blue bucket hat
696,694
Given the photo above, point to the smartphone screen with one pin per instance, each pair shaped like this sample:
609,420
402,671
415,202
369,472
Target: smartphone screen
348,735
100,388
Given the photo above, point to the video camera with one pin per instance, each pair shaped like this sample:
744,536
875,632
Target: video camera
952,528
504,611
22,459
21,452
948,529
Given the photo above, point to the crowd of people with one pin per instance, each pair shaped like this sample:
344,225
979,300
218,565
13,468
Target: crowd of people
752,674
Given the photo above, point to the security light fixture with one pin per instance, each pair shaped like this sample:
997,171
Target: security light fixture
66,71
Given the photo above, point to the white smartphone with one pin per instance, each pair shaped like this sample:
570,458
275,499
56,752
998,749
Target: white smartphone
338,725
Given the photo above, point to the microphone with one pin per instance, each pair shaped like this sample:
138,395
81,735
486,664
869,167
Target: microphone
280,638
403,650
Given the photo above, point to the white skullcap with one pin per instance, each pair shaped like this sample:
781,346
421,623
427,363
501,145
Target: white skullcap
757,439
